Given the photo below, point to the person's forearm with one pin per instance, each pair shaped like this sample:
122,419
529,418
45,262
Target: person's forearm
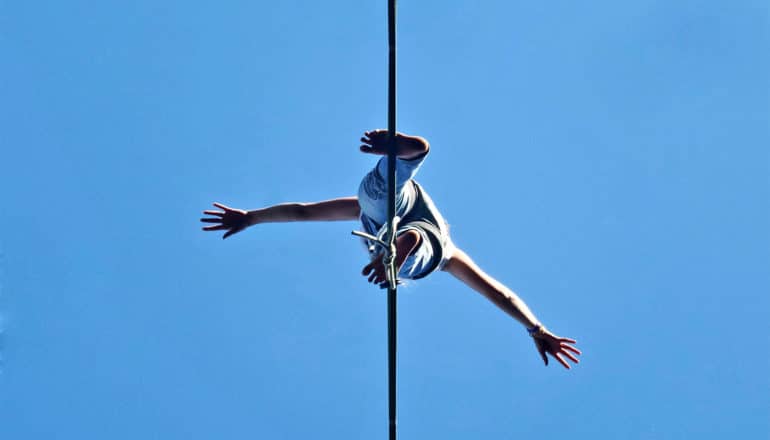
462,267
329,210
286,212
510,303
409,147
516,307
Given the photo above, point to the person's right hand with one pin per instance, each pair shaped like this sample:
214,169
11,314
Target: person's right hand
231,219
547,342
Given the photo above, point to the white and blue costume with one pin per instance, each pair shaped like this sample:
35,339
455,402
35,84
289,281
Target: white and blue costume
416,210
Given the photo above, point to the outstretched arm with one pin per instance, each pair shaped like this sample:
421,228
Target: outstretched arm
463,268
235,220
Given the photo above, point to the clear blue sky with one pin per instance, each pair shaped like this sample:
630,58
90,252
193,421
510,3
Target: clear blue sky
607,160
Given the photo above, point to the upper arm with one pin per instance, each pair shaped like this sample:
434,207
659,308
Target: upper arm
458,264
344,208
462,267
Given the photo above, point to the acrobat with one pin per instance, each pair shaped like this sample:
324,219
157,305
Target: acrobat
423,244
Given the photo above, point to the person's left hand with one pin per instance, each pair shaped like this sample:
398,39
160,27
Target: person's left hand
232,220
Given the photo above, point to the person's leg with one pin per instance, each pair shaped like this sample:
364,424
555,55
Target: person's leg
373,191
406,169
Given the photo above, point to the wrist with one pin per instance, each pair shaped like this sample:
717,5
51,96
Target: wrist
536,330
252,217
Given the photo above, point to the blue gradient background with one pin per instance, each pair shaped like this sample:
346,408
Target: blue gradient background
607,160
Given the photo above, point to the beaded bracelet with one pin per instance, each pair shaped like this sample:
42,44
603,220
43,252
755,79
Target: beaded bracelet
536,330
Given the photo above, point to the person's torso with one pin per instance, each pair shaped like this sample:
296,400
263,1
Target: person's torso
416,208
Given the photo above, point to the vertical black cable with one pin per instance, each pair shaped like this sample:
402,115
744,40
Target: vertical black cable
392,291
